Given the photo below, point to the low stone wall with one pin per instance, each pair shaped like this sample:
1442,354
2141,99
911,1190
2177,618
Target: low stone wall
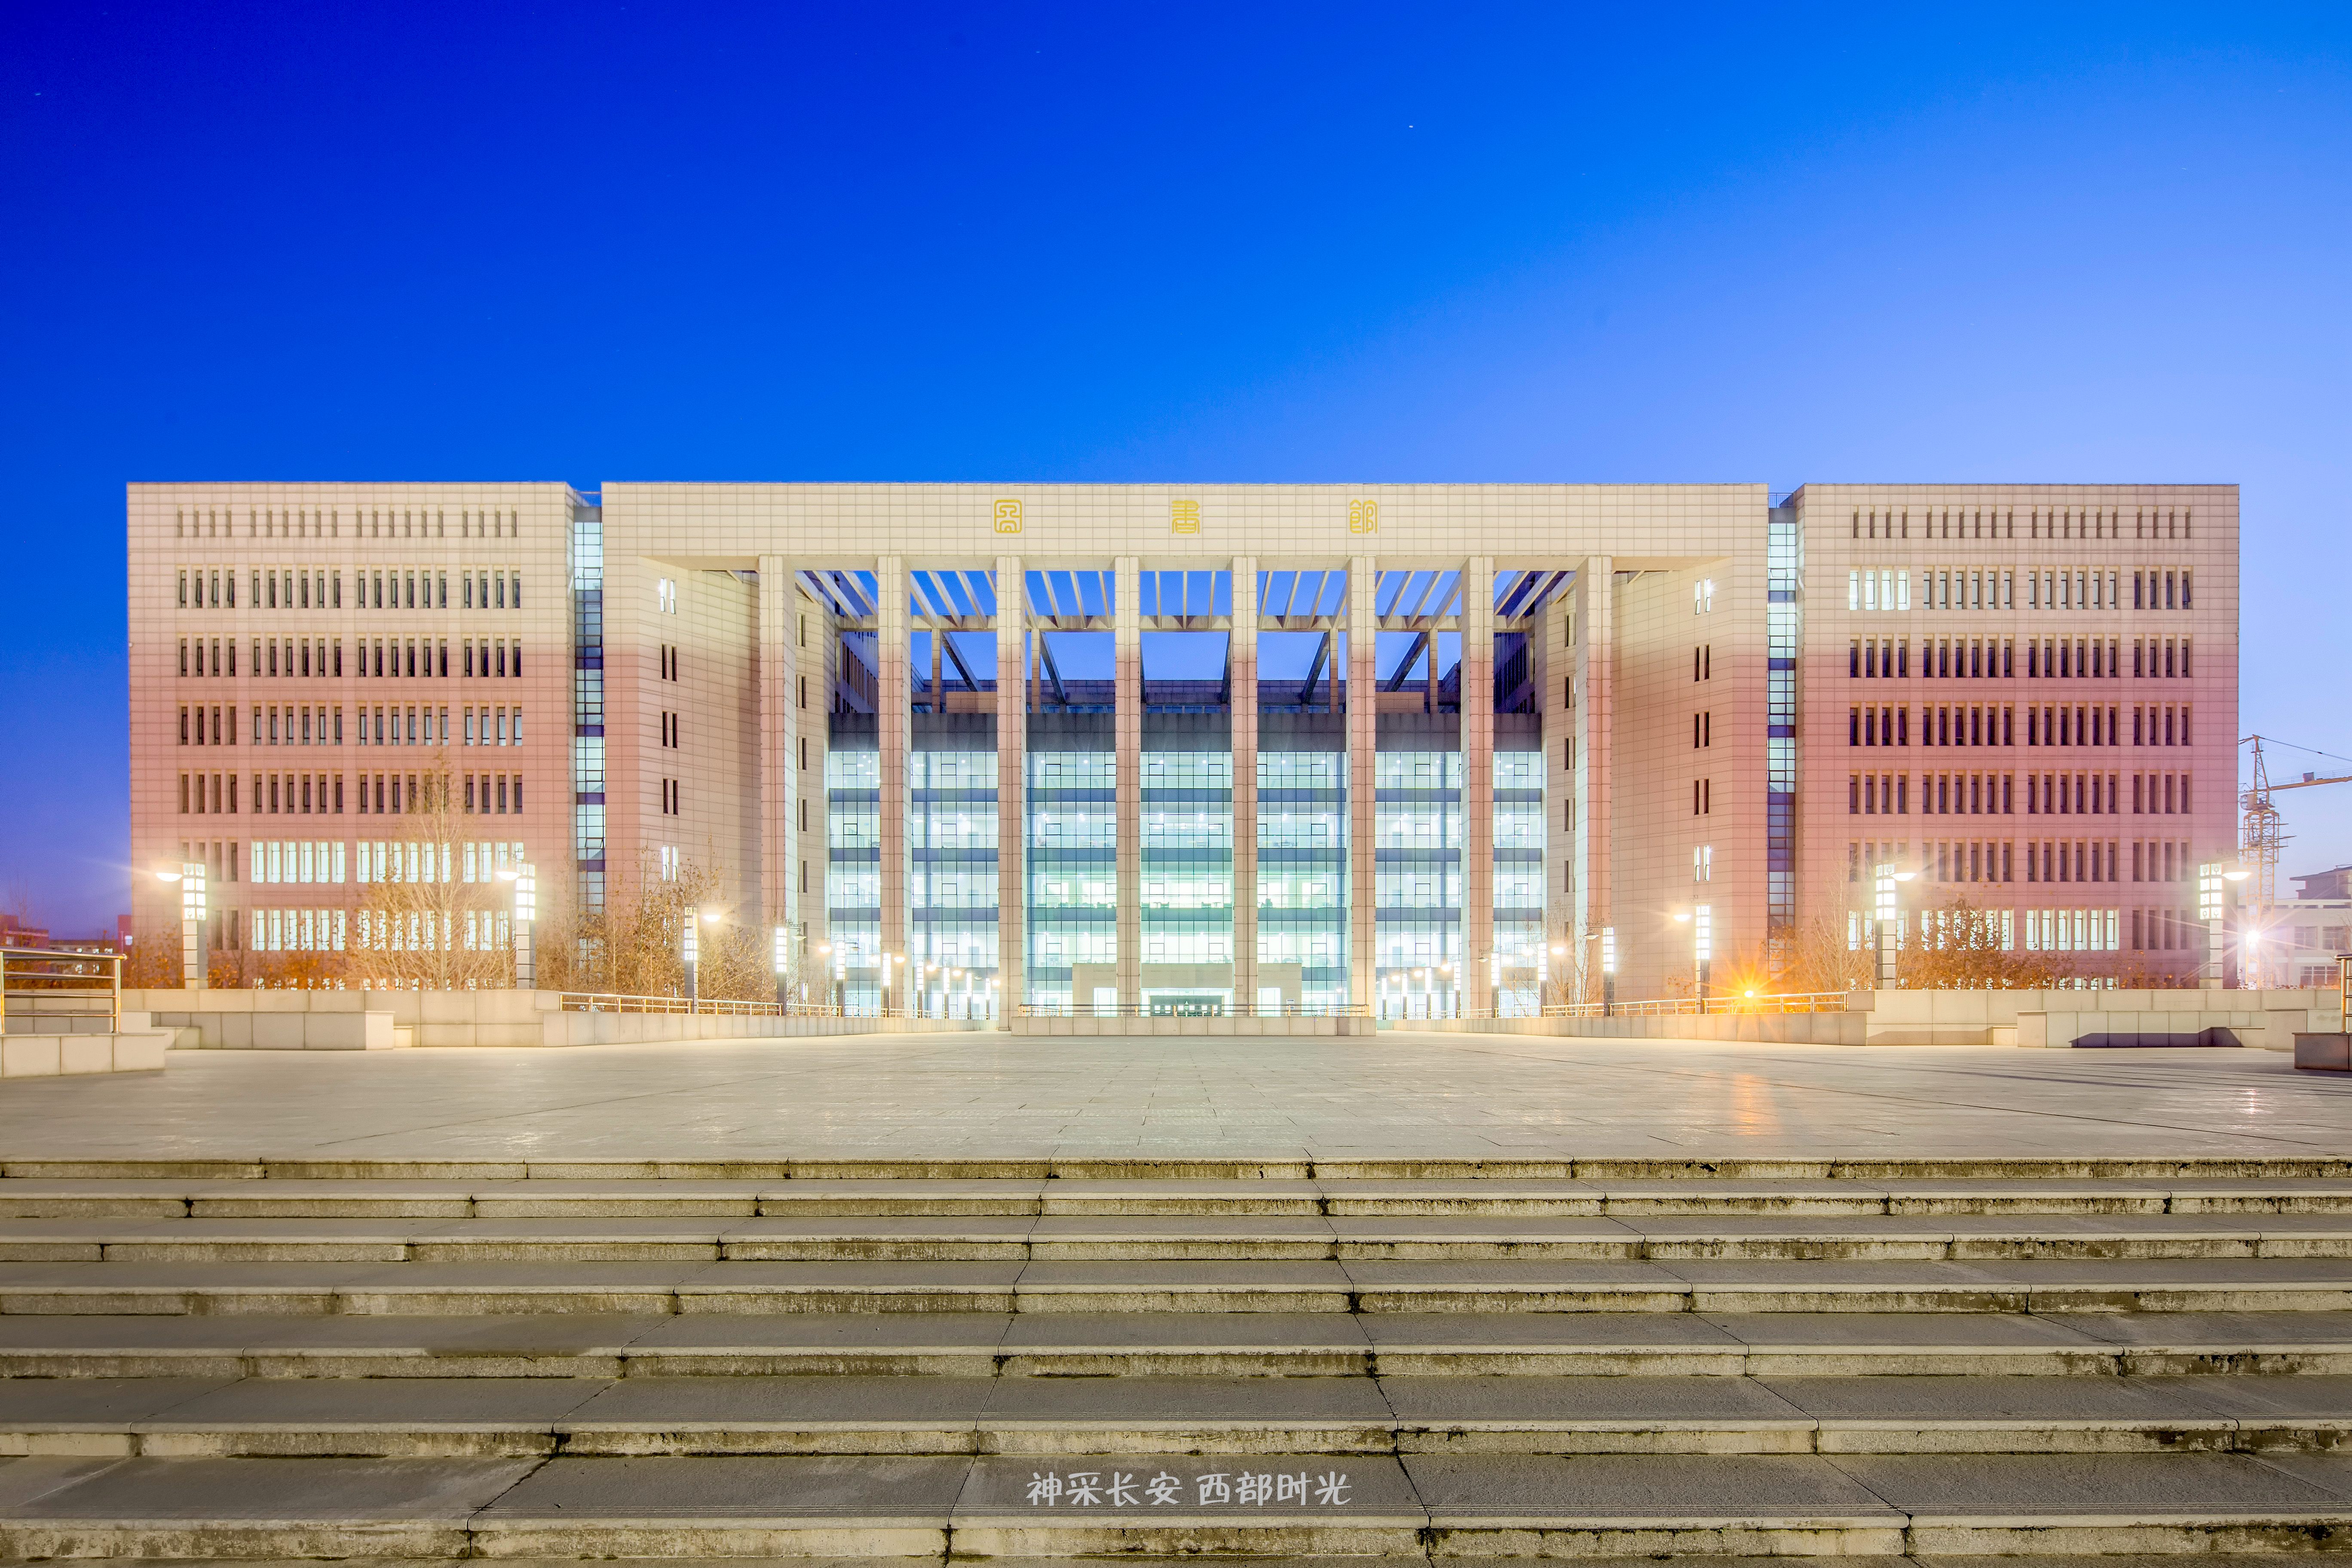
2266,1019
45,1049
387,1020
1769,1029
271,1020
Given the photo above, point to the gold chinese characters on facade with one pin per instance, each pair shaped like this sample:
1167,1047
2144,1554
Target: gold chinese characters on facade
1008,517
1183,517
1364,517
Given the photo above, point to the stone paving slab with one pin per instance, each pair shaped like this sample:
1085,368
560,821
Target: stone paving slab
1241,1104
909,1505
2090,1484
1244,1416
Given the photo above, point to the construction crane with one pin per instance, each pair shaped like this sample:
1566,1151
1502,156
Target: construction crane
2264,834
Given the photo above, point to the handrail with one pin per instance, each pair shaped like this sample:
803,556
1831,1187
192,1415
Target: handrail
600,1002
1166,1010
100,992
721,1008
1696,1006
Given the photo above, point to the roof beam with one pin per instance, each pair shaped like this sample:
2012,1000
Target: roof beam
1322,649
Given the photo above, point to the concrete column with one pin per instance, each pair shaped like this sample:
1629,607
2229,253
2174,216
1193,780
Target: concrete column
1478,782
1012,781
1548,661
1127,635
779,670
896,743
1594,666
1363,740
1241,690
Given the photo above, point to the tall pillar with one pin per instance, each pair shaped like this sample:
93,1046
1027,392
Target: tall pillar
1012,779
1126,730
894,742
1549,663
1594,666
1479,783
1363,742
779,900
1241,694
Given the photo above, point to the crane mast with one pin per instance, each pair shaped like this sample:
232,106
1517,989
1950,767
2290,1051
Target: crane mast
2262,832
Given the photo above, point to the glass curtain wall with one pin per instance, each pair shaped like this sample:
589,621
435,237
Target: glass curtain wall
951,892
853,814
1302,870
1073,870
1518,882
1188,858
588,703
1785,613
1417,906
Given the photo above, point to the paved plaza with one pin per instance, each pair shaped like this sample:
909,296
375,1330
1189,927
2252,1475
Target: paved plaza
1395,1095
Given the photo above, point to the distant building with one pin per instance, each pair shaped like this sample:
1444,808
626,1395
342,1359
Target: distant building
2335,884
2304,935
1671,723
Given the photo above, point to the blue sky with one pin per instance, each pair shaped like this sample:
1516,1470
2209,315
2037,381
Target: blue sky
594,241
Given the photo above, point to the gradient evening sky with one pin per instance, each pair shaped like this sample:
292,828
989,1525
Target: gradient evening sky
592,241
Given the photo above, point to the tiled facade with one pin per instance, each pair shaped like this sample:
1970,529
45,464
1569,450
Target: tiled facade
1657,727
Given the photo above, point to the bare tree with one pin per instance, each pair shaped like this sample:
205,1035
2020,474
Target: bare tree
1967,949
635,945
1819,957
422,924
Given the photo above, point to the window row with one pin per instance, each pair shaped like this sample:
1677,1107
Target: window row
312,861
489,793
2039,861
275,725
1995,659
2095,724
2044,794
321,657
2062,522
314,793
327,522
320,588
2073,589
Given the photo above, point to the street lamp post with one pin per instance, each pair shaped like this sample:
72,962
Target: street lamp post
526,913
1703,948
191,879
1886,918
2217,906
1608,970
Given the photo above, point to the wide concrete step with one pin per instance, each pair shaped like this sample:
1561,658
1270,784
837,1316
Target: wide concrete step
675,1238
1356,1285
325,1190
1063,1506
1111,1346
493,1418
1038,1169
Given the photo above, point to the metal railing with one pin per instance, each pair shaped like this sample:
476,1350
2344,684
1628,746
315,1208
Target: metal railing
42,982
1695,1006
718,1007
1180,1010
590,1001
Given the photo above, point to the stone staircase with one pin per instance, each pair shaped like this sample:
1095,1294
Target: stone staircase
1364,1359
